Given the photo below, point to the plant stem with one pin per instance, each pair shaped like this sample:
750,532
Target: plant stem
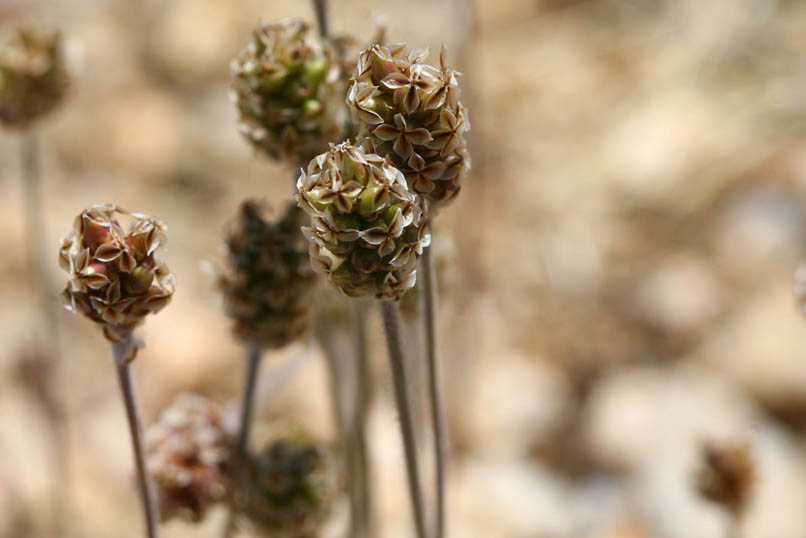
253,356
391,323
362,398
429,308
320,6
121,355
35,226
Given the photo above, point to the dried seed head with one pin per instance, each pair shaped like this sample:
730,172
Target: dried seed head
188,457
291,488
33,76
116,277
410,112
367,228
288,88
726,476
268,285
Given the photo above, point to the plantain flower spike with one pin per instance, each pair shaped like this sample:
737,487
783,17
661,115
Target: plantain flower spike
268,285
189,457
116,278
289,91
33,76
368,229
410,112
291,490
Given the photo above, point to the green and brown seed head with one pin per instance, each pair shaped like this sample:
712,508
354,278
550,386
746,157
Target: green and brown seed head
410,112
33,76
291,488
189,457
267,286
367,228
116,277
288,89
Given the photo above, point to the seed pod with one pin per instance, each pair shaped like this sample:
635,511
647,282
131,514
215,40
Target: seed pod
410,112
188,457
33,76
116,277
288,89
268,284
726,476
291,488
367,229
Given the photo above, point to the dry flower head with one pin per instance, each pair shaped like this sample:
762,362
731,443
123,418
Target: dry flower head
269,280
33,76
116,278
188,457
288,89
410,111
367,229
291,487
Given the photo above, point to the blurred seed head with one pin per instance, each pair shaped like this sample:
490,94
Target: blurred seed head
188,457
116,278
367,229
726,476
289,91
410,112
291,488
267,286
33,75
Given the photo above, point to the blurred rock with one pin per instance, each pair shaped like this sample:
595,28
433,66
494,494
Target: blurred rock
762,345
681,295
514,404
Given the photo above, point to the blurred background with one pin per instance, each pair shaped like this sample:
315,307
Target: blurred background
616,273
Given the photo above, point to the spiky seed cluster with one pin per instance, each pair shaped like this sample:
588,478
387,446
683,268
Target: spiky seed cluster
367,229
33,76
269,282
116,277
188,457
410,111
291,489
726,476
288,89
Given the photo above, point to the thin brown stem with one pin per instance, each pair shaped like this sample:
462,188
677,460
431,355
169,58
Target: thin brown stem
121,352
253,356
391,323
429,310
320,6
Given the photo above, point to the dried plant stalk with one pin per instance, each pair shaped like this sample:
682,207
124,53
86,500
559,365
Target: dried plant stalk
391,322
436,408
122,353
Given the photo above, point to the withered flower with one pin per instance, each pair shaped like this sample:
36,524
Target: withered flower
291,488
410,112
189,457
367,228
268,284
33,76
116,277
726,477
289,91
